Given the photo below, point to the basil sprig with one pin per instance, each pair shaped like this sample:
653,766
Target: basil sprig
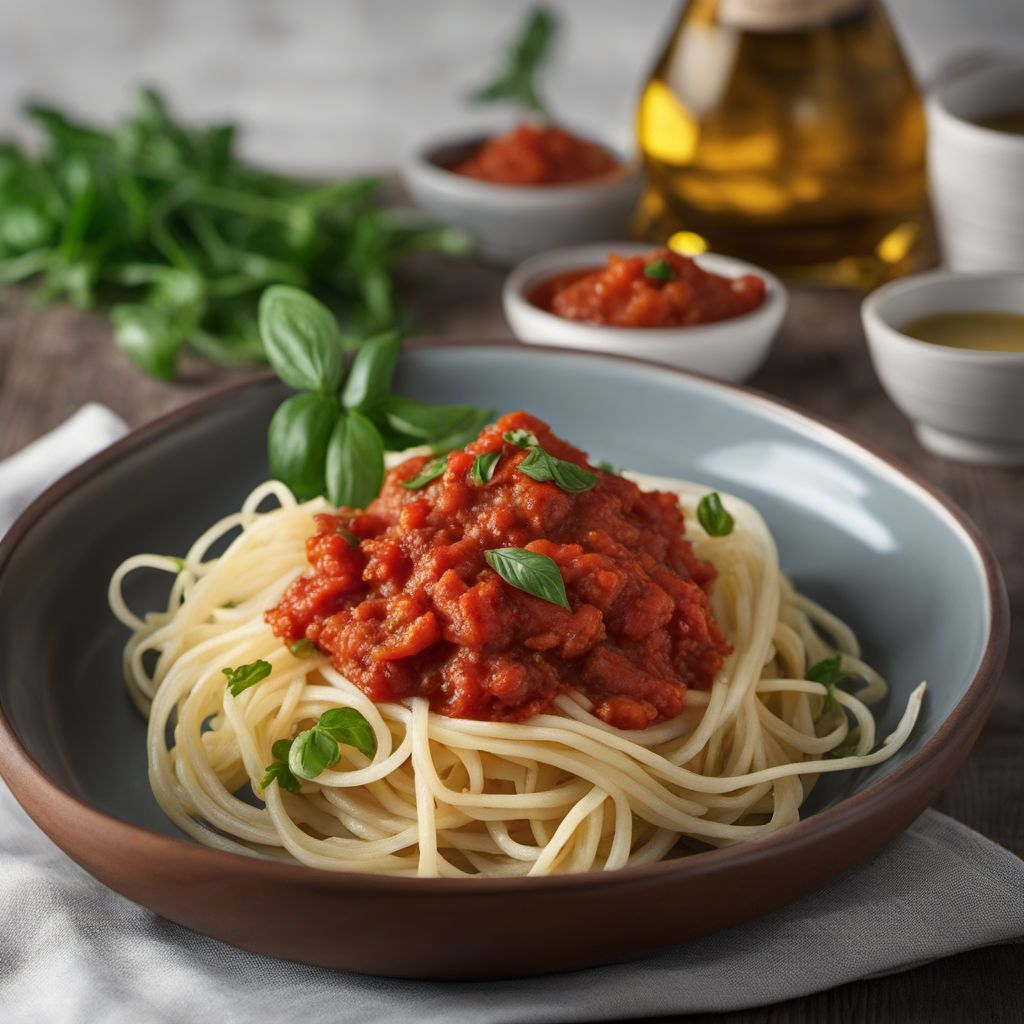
318,748
660,270
330,439
530,571
526,55
711,513
830,673
278,770
540,466
430,471
303,648
520,438
483,467
244,676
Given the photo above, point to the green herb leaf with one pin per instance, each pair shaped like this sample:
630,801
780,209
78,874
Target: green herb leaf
297,442
280,749
713,517
303,648
346,725
244,676
520,438
534,573
849,750
301,339
280,773
660,270
517,82
483,467
430,471
829,672
607,467
350,538
151,338
355,461
443,427
369,379
540,466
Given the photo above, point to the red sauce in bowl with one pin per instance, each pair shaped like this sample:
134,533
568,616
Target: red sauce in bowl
538,155
414,609
624,294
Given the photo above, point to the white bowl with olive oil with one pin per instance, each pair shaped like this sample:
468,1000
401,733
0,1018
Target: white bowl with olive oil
949,350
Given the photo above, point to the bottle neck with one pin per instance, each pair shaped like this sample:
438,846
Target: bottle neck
785,15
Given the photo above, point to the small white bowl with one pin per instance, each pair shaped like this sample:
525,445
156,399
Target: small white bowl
730,349
511,222
964,404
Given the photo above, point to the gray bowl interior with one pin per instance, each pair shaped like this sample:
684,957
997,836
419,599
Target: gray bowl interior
852,533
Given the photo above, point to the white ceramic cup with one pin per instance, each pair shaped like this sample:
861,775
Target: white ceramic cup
976,174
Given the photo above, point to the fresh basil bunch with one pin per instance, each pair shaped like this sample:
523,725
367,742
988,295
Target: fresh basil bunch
330,438
163,224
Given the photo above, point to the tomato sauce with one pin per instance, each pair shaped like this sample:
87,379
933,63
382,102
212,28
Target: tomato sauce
621,294
414,609
537,155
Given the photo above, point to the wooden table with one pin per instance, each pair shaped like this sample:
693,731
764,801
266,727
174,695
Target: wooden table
53,361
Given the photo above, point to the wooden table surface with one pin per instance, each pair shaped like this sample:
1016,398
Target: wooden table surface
52,361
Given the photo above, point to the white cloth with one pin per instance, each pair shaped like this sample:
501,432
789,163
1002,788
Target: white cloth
74,952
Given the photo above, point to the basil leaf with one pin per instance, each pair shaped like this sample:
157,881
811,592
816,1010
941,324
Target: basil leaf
280,773
534,573
849,750
369,379
346,725
350,538
280,749
431,471
244,676
444,427
151,338
520,438
301,338
527,54
297,441
465,430
829,672
713,517
540,466
607,467
303,648
660,270
311,752
483,467
355,461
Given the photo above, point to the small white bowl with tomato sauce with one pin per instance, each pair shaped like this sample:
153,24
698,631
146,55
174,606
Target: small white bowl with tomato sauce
520,193
712,314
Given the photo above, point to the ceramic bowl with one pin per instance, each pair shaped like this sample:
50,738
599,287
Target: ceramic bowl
964,404
894,558
729,349
975,173
508,223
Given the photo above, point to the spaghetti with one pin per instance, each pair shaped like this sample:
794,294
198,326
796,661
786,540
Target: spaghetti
562,791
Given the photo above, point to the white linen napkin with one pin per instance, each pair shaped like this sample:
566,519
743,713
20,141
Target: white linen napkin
73,951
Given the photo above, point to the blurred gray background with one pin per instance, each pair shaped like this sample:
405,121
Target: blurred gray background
326,85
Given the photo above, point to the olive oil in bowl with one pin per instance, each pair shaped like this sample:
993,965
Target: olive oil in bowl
980,331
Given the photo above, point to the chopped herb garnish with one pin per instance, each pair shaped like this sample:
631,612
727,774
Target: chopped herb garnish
431,471
713,517
540,466
278,770
849,750
350,538
520,438
531,572
317,748
607,467
229,604
483,468
829,672
660,270
241,678
303,648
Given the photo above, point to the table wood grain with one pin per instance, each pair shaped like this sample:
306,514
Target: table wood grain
52,361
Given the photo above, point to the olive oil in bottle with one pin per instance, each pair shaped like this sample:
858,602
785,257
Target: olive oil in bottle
789,133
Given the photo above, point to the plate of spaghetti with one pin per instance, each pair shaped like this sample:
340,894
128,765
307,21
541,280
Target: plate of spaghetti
640,658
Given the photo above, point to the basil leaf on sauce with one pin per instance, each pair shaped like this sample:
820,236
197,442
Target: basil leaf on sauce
355,461
303,648
369,380
297,441
660,270
530,571
244,676
430,471
278,770
520,438
346,725
540,466
483,467
301,339
713,517
317,749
